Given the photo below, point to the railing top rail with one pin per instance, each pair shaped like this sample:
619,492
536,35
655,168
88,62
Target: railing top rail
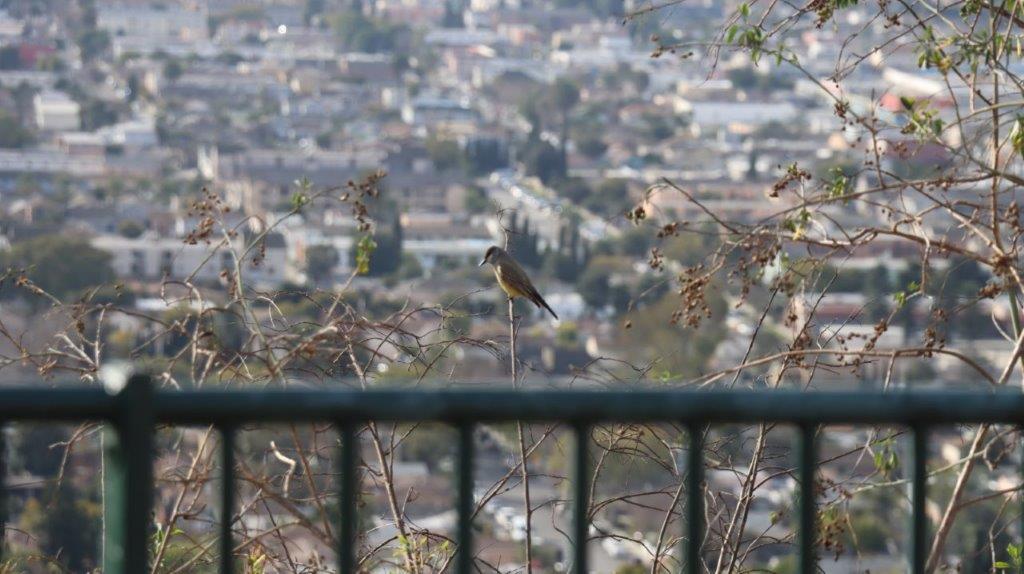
228,407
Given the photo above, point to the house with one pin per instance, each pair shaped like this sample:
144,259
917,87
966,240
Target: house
258,180
152,258
162,21
433,111
374,68
717,113
56,111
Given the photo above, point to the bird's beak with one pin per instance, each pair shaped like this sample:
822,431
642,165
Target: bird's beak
482,263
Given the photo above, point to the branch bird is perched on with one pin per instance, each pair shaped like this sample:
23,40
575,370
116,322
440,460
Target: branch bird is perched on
512,279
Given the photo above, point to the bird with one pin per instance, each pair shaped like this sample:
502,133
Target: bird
512,279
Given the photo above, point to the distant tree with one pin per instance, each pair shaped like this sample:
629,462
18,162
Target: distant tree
749,78
878,291
567,334
312,9
68,527
485,155
320,261
134,88
38,448
386,257
173,69
562,266
529,109
46,262
130,228
591,144
230,58
523,242
743,77
779,130
12,133
51,63
564,96
445,153
358,32
574,189
657,127
476,200
596,287
452,16
93,43
600,8
9,58
610,198
631,569
543,160
98,113
410,267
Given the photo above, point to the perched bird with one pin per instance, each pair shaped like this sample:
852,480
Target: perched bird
513,279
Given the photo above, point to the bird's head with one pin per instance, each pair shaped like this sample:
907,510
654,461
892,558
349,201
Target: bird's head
489,257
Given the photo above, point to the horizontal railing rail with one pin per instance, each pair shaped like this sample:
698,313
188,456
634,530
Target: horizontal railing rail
232,407
134,412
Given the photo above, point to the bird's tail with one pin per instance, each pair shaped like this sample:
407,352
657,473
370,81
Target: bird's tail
540,302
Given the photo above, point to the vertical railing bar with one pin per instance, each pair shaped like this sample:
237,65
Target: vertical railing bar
347,530
919,476
3,490
581,503
808,508
464,564
127,478
694,499
227,498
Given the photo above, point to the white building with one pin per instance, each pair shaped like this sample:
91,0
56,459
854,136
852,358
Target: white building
165,21
34,78
719,114
56,111
428,111
133,134
46,162
154,258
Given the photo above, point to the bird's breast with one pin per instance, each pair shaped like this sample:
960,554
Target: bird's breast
506,285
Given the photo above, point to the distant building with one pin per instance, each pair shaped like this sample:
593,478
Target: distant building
10,27
132,134
375,68
260,180
717,113
56,111
34,78
426,111
156,21
154,258
48,163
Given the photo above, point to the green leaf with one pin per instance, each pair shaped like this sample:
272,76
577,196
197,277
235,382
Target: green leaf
299,200
731,33
364,249
900,298
1001,564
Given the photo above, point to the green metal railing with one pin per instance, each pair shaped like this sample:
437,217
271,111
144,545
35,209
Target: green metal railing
134,412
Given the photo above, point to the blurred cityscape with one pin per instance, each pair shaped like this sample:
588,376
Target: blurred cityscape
552,125
550,119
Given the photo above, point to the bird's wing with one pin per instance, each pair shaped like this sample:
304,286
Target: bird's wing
513,273
517,275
